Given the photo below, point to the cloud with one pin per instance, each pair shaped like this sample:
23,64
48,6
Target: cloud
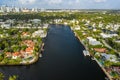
99,1
53,1
27,1
77,1
74,3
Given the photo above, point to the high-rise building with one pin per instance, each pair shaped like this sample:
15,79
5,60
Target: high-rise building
17,9
42,10
25,10
8,9
3,8
34,10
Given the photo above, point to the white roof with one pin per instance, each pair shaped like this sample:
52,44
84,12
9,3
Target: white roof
109,57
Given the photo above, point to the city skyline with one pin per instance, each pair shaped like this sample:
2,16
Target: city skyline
64,4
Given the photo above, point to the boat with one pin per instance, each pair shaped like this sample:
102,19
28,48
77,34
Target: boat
40,55
86,53
92,58
106,78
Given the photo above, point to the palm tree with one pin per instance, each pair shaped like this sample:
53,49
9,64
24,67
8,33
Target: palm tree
1,76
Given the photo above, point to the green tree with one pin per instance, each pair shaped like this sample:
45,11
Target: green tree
14,77
1,56
1,76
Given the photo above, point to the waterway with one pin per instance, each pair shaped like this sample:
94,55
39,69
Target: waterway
62,59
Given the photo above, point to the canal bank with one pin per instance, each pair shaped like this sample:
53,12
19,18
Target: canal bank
101,66
62,59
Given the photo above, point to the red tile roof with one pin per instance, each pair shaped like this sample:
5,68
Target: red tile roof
16,54
101,50
29,50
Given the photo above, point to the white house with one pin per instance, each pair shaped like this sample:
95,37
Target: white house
109,57
45,26
93,41
40,33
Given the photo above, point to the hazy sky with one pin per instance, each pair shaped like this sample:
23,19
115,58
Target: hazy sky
64,4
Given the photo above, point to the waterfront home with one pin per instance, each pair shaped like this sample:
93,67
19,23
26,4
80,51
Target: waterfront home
65,23
45,26
40,33
15,55
93,41
29,50
8,54
77,28
116,69
109,57
28,43
55,21
108,69
27,53
100,50
23,53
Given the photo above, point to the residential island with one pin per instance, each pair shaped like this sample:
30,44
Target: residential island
20,45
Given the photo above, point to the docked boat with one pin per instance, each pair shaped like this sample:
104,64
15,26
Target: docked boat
93,58
86,53
40,55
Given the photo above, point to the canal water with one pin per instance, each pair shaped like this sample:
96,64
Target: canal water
62,59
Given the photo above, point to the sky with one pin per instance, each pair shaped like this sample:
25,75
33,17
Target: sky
64,4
